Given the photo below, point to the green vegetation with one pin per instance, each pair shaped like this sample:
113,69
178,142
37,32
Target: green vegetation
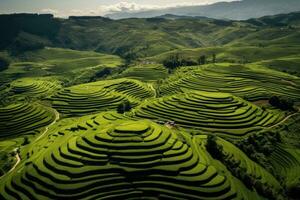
219,113
172,108
4,63
145,72
69,66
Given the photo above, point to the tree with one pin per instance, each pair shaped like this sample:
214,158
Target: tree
281,103
123,107
26,141
4,63
213,148
214,58
202,60
172,62
26,42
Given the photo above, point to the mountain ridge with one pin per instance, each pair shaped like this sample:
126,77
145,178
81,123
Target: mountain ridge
235,10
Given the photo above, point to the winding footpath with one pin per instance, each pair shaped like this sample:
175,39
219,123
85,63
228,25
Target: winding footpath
18,158
151,86
15,165
47,128
284,120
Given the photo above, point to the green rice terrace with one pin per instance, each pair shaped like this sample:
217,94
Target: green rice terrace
183,114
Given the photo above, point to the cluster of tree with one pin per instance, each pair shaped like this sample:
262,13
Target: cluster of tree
282,103
260,146
233,165
176,60
215,150
4,63
44,25
124,106
26,42
6,161
101,74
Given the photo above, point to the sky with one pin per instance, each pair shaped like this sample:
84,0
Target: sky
64,8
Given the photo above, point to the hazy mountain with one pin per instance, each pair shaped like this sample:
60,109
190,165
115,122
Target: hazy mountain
237,10
144,37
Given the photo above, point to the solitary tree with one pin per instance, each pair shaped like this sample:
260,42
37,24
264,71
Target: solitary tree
214,58
26,141
4,63
202,60
123,107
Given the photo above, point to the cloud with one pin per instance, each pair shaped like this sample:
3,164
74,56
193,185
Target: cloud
124,6
49,11
130,7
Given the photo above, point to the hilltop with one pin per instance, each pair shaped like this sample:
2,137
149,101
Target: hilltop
234,10
136,38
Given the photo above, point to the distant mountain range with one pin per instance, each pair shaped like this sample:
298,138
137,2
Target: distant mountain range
136,38
236,10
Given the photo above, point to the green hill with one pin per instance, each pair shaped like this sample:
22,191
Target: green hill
160,108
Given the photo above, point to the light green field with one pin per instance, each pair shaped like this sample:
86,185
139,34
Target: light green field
80,124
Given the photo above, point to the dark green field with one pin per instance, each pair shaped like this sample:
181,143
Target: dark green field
157,108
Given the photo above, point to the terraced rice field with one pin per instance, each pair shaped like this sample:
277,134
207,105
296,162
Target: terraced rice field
35,86
252,168
218,113
252,83
147,72
286,162
93,152
123,160
99,96
24,118
132,88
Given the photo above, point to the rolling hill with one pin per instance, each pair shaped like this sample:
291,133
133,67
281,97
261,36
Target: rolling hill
170,107
234,10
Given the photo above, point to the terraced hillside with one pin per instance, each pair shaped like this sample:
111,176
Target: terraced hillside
127,160
24,118
250,82
35,87
219,113
99,96
146,72
253,169
140,124
64,64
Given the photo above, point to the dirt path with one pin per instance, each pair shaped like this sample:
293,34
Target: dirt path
16,164
18,161
151,86
45,131
284,120
47,128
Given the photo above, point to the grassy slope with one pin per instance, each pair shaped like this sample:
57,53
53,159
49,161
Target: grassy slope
154,39
68,65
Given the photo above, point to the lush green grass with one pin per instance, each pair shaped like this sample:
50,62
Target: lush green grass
252,82
145,72
99,96
219,113
288,64
78,147
233,54
67,65
24,118
124,159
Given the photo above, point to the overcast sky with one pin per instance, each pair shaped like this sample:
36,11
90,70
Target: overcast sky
90,7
